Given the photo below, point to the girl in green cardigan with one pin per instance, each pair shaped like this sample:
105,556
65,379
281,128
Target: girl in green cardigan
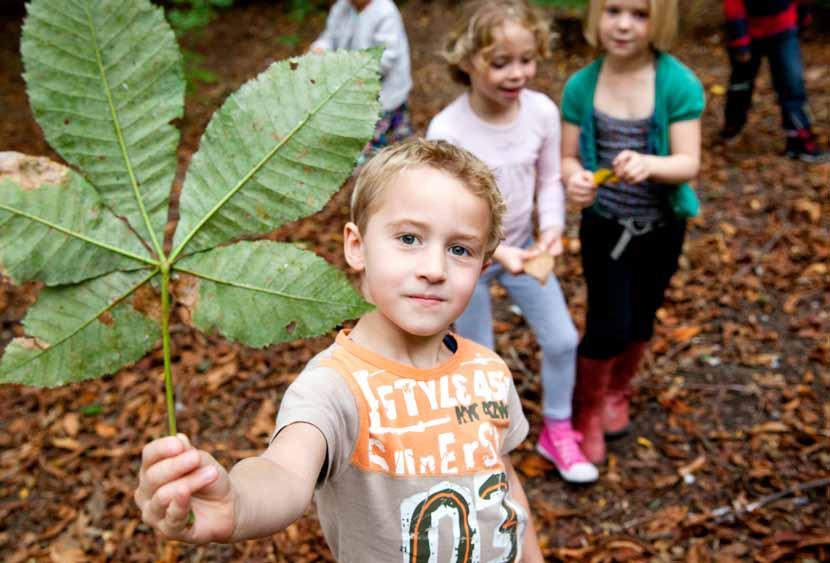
630,144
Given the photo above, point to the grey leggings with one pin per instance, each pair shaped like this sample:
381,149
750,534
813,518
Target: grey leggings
545,310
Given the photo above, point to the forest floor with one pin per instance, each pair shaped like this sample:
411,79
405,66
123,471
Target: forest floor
729,455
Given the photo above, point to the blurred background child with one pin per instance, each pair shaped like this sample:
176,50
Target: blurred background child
515,131
769,28
360,24
636,112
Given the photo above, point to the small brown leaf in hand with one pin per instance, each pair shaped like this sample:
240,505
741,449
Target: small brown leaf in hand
540,267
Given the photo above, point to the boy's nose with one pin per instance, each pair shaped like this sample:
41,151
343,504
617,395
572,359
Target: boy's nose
432,265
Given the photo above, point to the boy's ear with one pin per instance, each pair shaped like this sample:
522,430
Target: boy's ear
353,247
486,264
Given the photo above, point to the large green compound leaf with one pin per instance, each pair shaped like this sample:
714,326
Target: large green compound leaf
263,292
54,227
104,80
75,332
279,148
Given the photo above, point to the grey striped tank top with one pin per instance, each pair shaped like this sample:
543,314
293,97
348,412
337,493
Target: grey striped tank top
647,201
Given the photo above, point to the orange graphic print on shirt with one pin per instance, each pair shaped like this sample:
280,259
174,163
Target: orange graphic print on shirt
418,423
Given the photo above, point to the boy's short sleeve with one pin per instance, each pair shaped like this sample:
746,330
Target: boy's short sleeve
686,98
517,431
321,397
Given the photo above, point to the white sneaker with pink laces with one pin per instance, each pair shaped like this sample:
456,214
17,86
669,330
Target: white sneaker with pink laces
559,443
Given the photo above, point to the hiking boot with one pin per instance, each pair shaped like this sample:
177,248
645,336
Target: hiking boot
802,145
559,443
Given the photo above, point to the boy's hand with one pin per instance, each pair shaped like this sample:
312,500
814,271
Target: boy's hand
512,258
176,478
581,188
632,167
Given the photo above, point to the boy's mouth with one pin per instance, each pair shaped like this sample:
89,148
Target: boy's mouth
426,299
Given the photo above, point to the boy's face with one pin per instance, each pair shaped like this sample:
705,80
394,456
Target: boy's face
422,252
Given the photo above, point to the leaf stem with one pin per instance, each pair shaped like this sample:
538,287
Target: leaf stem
165,343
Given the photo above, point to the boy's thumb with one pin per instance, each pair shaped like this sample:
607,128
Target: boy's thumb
184,439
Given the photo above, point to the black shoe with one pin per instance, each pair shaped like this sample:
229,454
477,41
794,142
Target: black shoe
802,146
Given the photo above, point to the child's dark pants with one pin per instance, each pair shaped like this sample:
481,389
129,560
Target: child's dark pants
624,294
784,56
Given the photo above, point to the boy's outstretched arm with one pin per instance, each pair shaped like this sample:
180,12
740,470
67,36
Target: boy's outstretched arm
531,552
259,497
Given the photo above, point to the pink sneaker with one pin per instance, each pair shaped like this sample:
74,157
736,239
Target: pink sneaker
559,443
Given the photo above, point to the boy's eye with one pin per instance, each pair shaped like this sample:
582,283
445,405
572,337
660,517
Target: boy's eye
641,14
459,251
408,239
498,63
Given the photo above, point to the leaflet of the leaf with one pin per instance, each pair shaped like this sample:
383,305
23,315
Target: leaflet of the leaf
74,334
264,292
104,80
279,148
54,227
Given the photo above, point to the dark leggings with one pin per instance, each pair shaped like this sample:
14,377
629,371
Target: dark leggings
624,294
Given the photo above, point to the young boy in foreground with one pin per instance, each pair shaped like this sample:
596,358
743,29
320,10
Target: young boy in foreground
402,428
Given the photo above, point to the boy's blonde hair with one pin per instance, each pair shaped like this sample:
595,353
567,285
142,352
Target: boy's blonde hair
474,34
380,172
662,21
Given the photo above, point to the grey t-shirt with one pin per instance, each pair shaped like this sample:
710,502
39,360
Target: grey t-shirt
414,469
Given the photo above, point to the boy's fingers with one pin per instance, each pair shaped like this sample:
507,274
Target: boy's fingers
175,519
158,450
170,469
156,510
185,440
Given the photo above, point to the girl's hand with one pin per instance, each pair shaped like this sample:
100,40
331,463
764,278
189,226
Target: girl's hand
550,241
581,188
512,258
175,479
632,167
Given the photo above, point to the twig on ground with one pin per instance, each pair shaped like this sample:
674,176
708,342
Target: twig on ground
724,512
